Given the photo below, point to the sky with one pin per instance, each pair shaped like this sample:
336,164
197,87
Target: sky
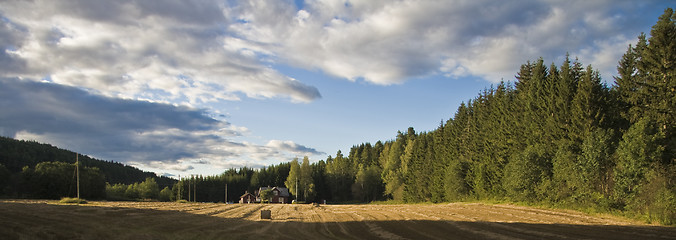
182,87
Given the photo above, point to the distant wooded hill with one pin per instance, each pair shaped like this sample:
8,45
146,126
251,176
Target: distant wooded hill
16,154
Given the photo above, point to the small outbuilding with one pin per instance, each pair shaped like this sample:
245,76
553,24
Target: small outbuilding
247,198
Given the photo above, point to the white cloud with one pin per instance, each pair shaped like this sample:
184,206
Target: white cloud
202,51
389,42
292,147
175,51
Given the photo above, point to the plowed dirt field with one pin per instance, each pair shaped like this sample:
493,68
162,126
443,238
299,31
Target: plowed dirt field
30,219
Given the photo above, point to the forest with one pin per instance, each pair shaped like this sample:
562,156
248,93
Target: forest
556,135
30,169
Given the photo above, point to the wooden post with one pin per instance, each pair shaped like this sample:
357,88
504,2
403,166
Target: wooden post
297,190
77,170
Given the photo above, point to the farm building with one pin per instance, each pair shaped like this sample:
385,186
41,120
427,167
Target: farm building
280,194
247,198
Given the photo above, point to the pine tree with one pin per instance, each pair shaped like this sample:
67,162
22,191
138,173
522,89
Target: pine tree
565,90
625,86
589,105
340,174
658,63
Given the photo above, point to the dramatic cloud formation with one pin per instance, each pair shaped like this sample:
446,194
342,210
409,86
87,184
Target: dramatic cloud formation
142,133
388,42
162,50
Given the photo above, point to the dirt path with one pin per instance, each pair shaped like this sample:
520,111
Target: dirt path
29,219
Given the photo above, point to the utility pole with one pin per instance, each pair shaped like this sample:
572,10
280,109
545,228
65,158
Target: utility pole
179,188
189,189
226,193
77,170
194,191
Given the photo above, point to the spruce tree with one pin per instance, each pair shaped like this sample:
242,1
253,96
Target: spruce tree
658,63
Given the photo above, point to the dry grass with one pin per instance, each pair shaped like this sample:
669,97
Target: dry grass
73,200
25,219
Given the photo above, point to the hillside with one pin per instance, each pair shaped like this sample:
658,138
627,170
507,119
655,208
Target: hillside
16,154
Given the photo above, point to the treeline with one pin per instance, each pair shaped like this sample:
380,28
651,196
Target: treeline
34,170
52,180
556,135
213,188
146,190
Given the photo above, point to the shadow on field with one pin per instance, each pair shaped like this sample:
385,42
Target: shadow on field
45,221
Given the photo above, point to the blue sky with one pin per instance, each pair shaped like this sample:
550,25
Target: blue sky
196,87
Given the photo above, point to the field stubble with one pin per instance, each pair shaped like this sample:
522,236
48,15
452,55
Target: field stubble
31,219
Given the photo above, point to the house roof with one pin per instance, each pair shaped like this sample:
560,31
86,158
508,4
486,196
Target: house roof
246,194
283,192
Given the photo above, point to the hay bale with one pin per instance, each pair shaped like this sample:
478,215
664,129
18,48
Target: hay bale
266,214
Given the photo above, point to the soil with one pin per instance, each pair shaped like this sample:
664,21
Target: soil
42,219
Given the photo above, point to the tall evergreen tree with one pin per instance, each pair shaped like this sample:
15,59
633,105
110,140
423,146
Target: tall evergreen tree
340,173
658,63
565,89
625,89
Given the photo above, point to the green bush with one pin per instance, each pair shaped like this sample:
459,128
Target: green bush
166,195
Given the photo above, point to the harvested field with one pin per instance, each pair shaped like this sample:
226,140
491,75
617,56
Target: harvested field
31,219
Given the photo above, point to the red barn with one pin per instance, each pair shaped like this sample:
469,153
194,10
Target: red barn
280,194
